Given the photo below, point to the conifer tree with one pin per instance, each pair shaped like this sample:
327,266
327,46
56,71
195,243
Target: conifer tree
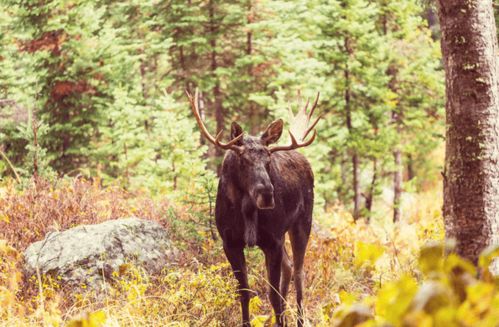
414,72
354,53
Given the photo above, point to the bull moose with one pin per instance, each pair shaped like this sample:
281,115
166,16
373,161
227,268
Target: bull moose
263,193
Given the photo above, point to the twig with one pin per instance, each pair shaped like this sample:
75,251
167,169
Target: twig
18,179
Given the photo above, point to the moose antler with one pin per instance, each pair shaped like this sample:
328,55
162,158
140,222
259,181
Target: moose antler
300,126
215,140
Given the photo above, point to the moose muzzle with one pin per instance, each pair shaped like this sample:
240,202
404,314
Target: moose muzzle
264,196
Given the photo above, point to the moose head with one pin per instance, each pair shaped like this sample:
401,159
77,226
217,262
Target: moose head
254,153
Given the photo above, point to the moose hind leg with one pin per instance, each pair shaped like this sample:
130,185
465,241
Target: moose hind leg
299,239
238,264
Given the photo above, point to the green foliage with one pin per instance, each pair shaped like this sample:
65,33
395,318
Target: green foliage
107,80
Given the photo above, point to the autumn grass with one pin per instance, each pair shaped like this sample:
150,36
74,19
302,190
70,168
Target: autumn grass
346,262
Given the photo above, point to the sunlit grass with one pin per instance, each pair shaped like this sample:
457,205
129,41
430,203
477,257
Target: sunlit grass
346,262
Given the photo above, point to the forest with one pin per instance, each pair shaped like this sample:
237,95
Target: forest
102,148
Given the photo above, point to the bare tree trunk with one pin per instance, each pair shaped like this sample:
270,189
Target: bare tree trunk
342,189
397,185
253,108
355,156
410,167
175,175
127,172
471,176
372,188
217,94
397,152
145,95
356,187
432,19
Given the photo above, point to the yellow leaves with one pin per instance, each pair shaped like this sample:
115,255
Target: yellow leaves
347,298
8,251
418,319
460,274
354,315
131,281
480,296
10,276
451,295
431,297
261,321
10,279
366,254
94,319
481,301
5,218
255,304
454,263
393,299
431,257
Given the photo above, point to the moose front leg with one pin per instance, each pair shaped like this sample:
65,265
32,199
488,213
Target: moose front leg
238,264
273,257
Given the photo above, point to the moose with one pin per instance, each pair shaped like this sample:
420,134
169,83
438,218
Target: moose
263,193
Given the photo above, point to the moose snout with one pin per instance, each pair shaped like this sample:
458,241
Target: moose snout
264,195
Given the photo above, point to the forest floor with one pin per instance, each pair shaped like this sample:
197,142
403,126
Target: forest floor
346,260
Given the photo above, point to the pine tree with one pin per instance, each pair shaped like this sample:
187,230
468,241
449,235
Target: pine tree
414,74
62,44
355,56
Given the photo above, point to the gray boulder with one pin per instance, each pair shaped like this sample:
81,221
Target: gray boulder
89,254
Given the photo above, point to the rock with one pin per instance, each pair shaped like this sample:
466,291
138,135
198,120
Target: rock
88,254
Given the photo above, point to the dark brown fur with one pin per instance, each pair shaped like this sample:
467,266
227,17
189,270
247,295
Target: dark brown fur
283,183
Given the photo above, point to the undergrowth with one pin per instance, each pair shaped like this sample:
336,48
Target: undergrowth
355,272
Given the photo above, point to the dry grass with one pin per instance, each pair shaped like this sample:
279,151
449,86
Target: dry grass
345,260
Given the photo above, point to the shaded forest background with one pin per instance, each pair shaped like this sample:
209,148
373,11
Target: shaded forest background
101,84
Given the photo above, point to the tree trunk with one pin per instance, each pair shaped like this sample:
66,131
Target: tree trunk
410,167
471,175
397,185
355,156
372,189
253,109
217,94
397,152
356,187
145,95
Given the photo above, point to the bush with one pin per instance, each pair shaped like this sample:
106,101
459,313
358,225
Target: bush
450,294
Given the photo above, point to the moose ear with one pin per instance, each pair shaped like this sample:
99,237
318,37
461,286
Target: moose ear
235,131
273,132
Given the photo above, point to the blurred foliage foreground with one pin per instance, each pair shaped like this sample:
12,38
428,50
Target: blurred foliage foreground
375,274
